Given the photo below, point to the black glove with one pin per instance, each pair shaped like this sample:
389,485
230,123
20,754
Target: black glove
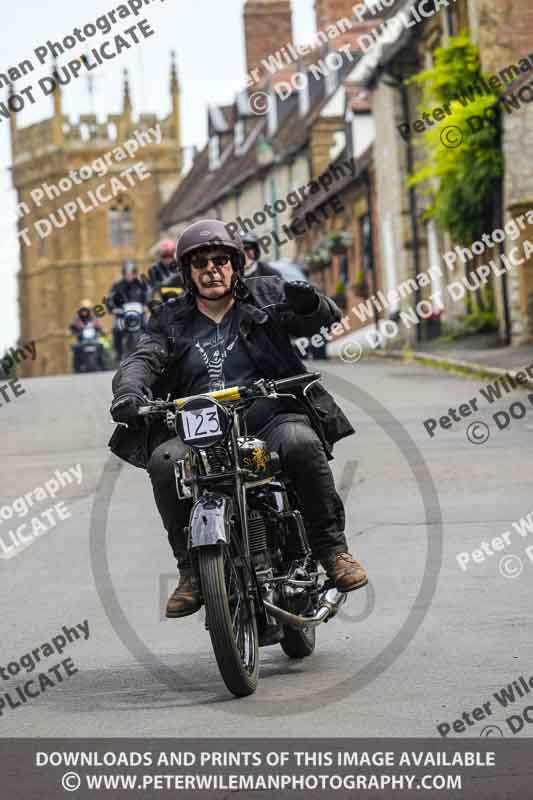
125,408
301,297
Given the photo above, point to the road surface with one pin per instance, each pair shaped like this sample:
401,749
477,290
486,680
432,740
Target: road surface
425,643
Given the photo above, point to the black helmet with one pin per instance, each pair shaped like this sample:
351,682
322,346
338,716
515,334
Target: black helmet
84,313
129,267
208,233
249,239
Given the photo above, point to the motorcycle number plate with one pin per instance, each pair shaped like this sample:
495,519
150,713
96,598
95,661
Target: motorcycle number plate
90,349
202,423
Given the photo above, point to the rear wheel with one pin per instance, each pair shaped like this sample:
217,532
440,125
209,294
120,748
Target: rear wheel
230,619
298,642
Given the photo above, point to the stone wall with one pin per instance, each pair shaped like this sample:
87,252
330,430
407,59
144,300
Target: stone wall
78,260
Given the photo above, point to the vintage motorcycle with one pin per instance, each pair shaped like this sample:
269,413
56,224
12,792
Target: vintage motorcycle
89,355
130,320
247,539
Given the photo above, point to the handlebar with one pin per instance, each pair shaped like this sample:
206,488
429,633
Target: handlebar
233,393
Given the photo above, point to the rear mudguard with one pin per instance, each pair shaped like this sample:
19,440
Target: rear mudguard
210,521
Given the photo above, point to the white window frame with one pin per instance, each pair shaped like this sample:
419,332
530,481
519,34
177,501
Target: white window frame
214,152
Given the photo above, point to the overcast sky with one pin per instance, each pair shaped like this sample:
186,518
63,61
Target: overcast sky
208,38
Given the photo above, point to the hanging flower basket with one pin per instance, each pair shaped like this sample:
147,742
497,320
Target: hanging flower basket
319,259
339,242
323,257
360,286
340,296
312,262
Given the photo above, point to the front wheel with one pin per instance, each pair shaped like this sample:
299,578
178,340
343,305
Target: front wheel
230,619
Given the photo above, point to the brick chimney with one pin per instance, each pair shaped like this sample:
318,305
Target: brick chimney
267,28
329,12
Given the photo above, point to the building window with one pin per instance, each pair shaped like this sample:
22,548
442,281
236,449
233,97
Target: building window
304,98
344,269
366,239
214,152
390,260
240,136
272,113
365,227
332,76
121,226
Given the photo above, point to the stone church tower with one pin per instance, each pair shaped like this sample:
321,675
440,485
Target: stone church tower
80,259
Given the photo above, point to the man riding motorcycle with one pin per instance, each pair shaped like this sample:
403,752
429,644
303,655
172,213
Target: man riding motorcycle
127,290
227,330
254,268
83,320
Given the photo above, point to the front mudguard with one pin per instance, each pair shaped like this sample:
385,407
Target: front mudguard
210,521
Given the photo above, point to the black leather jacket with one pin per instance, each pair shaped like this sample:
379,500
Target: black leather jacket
124,292
266,332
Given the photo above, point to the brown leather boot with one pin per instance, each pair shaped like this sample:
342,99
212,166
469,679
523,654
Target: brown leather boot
347,573
185,599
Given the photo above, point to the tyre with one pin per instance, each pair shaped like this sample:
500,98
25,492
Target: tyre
230,619
297,642
91,363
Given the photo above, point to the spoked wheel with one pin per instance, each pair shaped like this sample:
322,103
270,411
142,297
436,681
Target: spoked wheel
298,642
230,619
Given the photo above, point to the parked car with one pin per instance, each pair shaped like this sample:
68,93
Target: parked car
289,270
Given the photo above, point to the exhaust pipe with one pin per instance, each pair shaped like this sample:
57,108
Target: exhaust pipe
330,602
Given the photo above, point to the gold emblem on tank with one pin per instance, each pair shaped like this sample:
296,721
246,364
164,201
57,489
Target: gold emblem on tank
260,459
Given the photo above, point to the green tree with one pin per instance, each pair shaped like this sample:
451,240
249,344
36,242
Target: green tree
462,167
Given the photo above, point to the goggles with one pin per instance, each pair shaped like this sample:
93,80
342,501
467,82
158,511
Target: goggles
201,262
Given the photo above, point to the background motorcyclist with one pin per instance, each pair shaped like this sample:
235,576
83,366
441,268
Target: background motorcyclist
84,318
254,268
165,276
171,287
165,272
226,331
129,289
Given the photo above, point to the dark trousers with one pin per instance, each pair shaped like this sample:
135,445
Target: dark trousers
118,334
302,458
